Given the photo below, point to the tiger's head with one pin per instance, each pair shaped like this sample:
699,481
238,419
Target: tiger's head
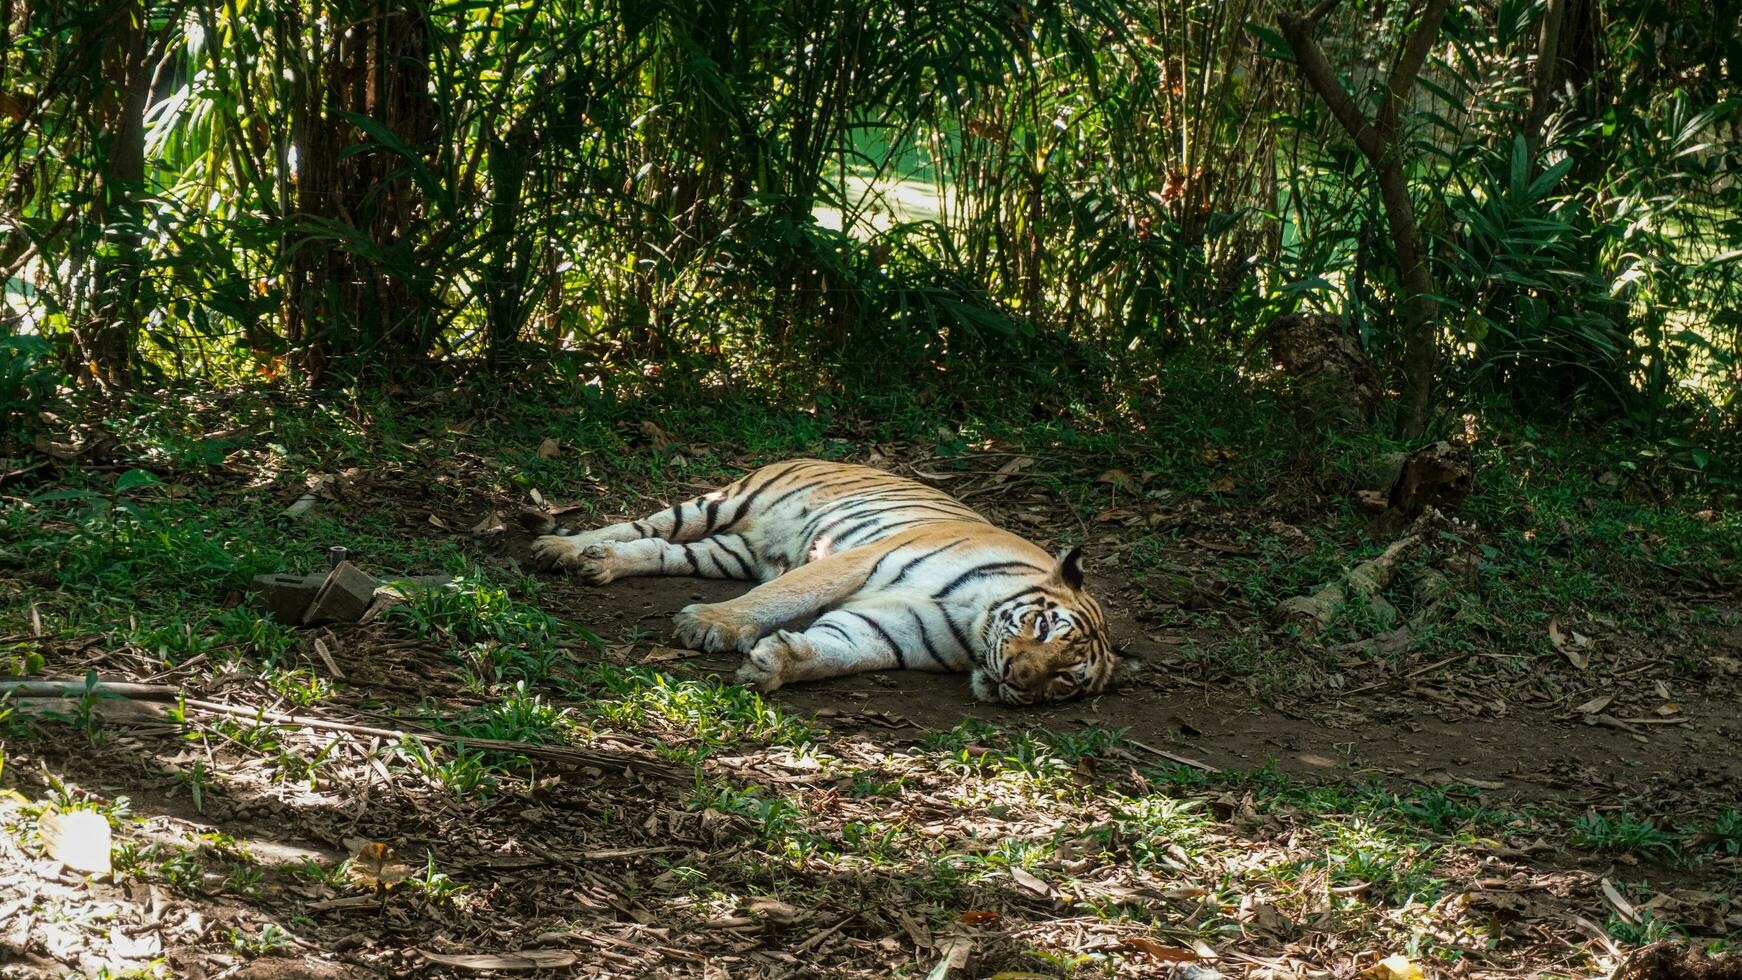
1046,643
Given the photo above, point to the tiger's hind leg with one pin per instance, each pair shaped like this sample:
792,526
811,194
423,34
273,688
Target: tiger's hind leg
879,633
736,624
721,556
711,515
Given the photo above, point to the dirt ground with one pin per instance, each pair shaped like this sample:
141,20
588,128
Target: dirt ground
1399,733
582,868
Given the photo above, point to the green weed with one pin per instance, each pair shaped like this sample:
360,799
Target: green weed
1623,832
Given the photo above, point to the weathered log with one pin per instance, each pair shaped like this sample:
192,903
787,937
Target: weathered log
1332,373
1439,475
1368,580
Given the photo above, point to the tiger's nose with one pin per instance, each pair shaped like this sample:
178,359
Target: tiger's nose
1018,675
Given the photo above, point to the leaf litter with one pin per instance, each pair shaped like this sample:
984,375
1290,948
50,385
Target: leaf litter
636,874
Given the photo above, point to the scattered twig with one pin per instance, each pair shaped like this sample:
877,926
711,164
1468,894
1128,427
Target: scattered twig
155,692
1171,757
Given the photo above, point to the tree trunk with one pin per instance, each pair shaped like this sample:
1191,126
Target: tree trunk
1421,332
109,341
1545,77
1381,143
347,309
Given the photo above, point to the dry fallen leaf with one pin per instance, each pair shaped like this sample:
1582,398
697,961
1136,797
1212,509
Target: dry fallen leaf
1015,466
955,957
977,918
1030,882
1574,646
549,448
1396,967
1221,484
659,655
1622,906
376,866
1595,705
1666,710
1116,478
1159,951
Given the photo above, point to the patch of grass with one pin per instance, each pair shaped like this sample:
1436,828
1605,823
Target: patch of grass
257,736
440,888
499,637
460,770
518,716
1723,833
1036,752
1622,832
698,717
1644,930
1160,830
269,940
1389,866
778,822
179,868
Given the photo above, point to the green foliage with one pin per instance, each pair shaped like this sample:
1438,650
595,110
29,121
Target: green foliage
976,198
28,379
1623,832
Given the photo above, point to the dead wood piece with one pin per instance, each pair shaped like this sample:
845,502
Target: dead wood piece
1333,373
1439,475
1367,580
64,689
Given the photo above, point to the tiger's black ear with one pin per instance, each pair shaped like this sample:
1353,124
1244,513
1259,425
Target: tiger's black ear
1069,568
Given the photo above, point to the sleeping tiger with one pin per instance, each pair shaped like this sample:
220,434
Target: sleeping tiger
888,573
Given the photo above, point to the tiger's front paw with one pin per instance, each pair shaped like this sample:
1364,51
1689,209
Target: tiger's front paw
774,660
591,563
711,628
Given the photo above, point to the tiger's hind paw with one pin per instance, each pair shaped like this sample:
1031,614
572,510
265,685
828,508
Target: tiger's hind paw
555,551
710,628
774,660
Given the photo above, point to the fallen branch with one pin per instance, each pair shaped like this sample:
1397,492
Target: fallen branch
72,689
1367,580
157,692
